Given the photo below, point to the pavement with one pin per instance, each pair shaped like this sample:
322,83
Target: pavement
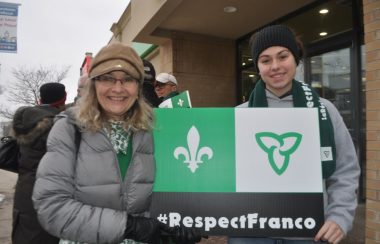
8,181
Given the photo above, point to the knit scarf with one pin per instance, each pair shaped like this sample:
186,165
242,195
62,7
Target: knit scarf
305,96
119,136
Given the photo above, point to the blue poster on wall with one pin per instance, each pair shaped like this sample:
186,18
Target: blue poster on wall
8,27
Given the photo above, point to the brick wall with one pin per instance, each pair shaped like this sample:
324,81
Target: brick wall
205,66
371,15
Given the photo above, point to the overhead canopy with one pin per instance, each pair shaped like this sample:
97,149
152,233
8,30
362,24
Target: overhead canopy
154,21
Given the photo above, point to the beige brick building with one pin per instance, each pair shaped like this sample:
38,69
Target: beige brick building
371,19
205,45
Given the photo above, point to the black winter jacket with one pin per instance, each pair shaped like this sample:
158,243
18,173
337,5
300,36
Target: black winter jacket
31,126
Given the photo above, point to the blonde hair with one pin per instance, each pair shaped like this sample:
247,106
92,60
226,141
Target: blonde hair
91,116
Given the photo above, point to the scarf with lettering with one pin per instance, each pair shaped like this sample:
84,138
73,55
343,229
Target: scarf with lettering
305,96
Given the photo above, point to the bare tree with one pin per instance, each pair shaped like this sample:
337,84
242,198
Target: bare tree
24,90
6,113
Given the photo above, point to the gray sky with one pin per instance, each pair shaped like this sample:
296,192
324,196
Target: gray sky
58,33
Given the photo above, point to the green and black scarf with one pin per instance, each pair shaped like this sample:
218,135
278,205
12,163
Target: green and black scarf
305,96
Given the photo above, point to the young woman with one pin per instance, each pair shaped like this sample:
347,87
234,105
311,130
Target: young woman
100,191
276,54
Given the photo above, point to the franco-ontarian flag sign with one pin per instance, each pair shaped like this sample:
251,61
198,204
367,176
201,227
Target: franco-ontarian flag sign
182,100
239,171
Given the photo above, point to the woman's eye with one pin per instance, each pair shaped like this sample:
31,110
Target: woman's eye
129,79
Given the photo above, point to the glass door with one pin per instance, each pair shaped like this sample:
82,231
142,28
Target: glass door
331,77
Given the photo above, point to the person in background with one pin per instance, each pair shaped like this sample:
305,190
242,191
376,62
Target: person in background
31,126
83,80
148,85
166,86
276,53
99,189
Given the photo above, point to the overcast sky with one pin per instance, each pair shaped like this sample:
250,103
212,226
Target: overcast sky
58,33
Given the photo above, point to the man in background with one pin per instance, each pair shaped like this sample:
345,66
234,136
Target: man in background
166,86
81,84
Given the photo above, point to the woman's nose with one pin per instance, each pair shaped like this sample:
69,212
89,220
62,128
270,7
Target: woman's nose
118,85
275,64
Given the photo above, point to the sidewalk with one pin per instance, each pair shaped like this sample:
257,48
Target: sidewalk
8,181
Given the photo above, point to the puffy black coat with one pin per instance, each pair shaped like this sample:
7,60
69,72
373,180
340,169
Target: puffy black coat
31,126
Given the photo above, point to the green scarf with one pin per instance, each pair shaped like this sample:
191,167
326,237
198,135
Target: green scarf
305,96
121,141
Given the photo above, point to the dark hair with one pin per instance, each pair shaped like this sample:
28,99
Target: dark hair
275,35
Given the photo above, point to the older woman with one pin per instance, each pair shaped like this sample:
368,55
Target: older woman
98,190
276,53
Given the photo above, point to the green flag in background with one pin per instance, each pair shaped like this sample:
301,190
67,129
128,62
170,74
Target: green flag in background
182,100
193,154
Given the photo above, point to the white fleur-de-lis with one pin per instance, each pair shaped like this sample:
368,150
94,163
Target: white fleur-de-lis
192,155
180,102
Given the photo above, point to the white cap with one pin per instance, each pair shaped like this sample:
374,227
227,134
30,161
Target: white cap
165,78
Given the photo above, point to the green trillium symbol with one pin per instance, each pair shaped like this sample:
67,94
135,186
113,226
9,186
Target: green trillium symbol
279,148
